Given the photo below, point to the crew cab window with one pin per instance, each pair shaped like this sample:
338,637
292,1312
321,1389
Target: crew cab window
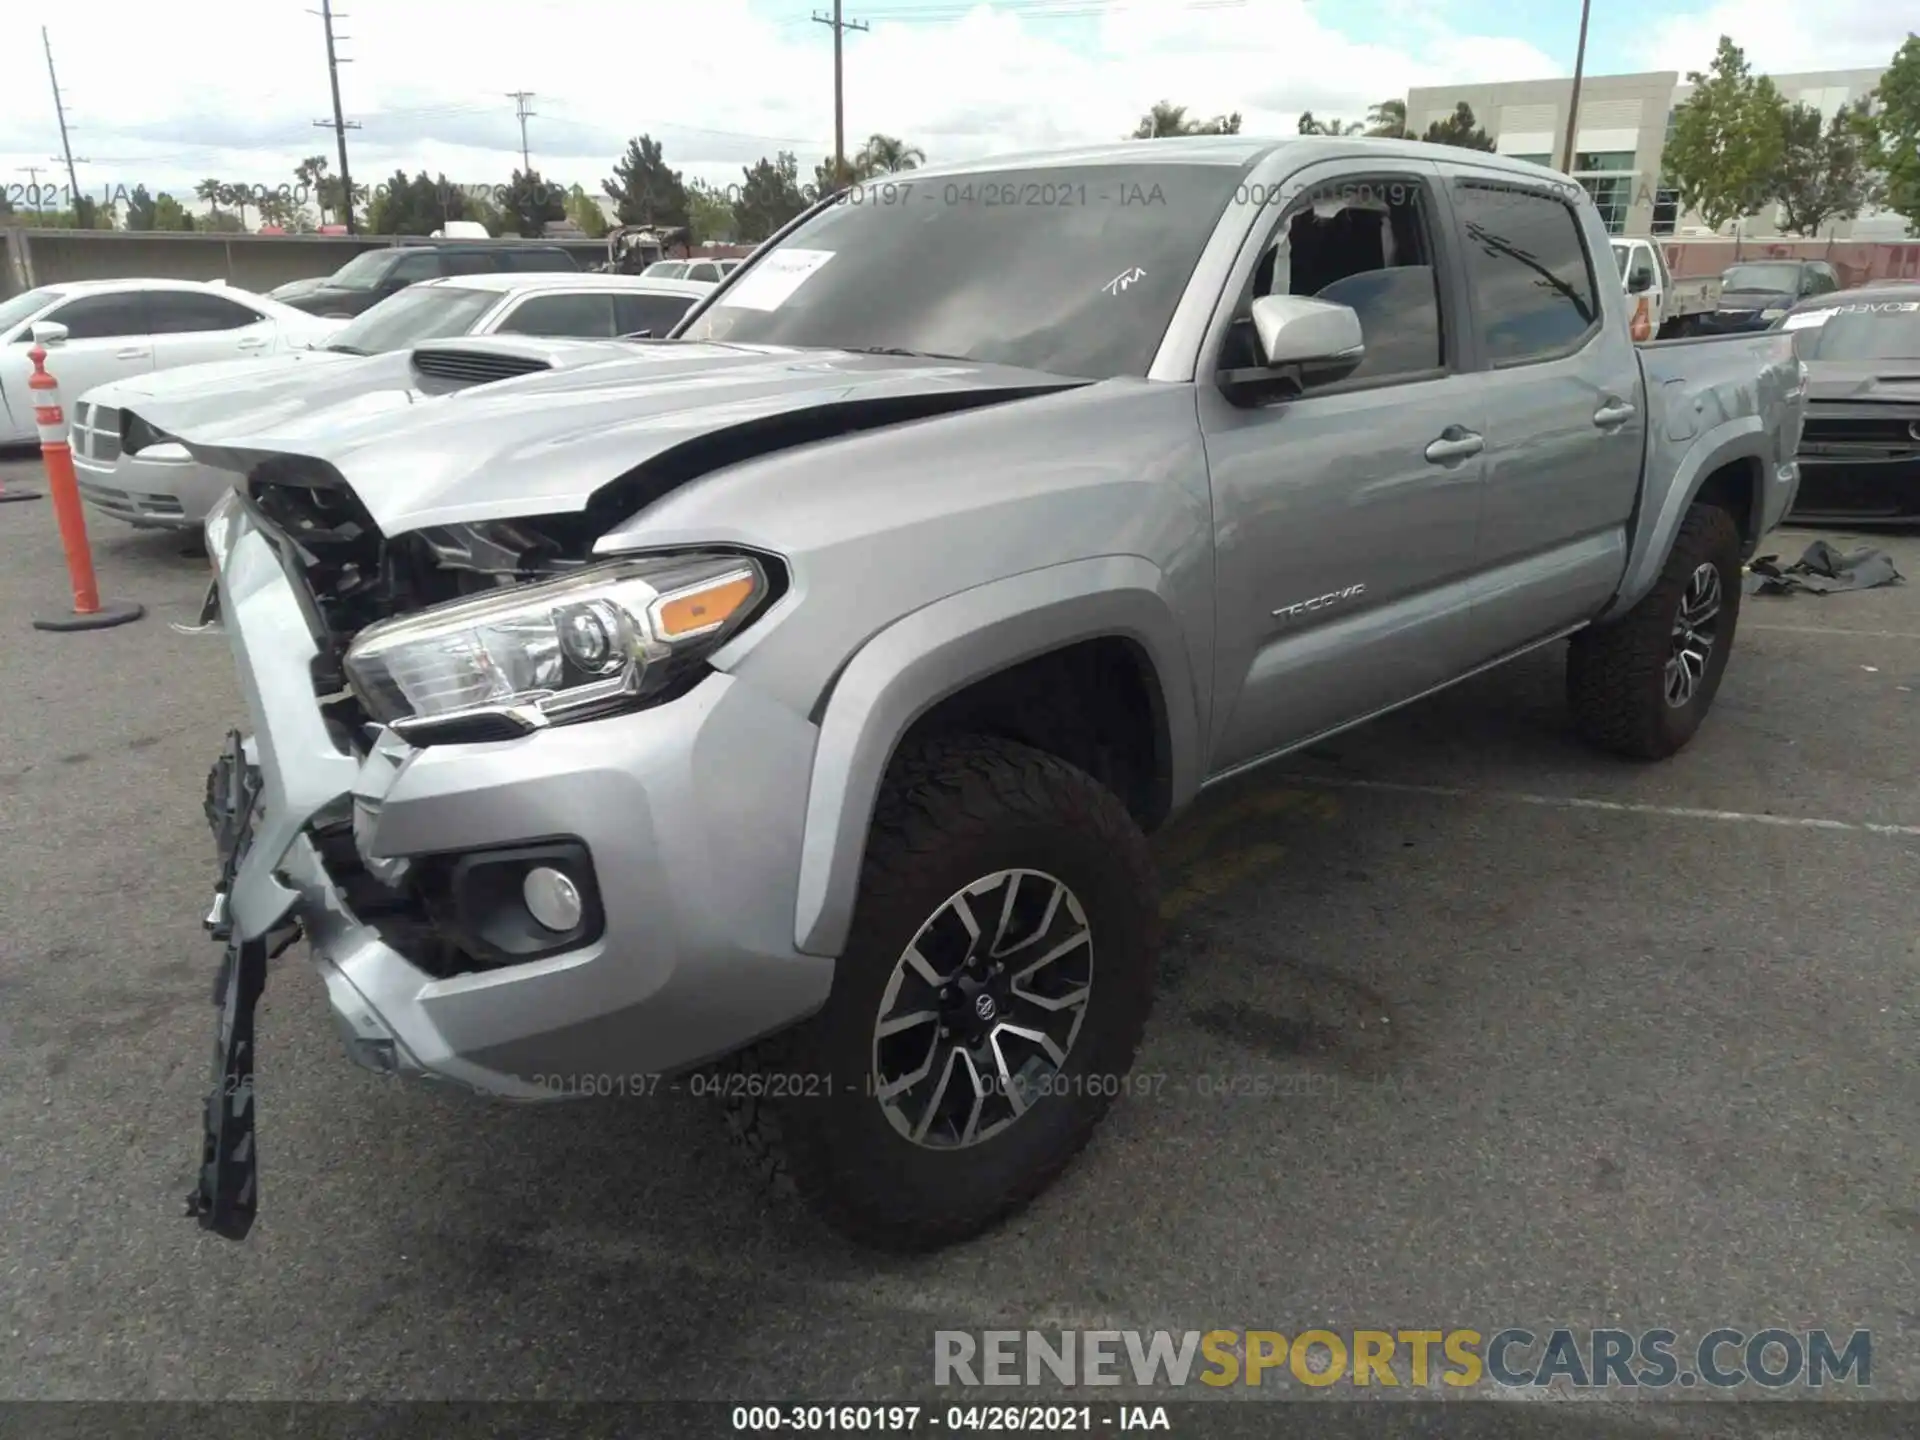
1365,243
468,262
410,268
573,315
656,314
1534,296
179,312
102,317
707,271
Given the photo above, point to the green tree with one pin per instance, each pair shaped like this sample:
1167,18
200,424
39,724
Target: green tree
422,205
1311,126
769,197
1459,129
710,212
1388,120
585,212
211,191
170,214
1823,173
311,176
238,194
644,188
1893,134
825,182
286,212
886,155
1724,154
530,202
141,209
1166,118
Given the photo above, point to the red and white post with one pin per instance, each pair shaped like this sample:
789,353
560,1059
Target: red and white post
88,613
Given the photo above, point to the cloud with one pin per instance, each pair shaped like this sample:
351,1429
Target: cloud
1781,36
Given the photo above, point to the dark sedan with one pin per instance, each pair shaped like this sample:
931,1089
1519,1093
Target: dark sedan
1757,293
1860,445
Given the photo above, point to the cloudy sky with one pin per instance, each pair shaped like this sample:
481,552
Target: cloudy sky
166,95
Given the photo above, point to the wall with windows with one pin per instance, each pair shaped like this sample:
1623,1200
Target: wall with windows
1623,127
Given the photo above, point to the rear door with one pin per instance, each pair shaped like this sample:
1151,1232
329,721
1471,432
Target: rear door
1565,416
191,326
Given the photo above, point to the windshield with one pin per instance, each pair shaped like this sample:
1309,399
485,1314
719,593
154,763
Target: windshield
28,302
362,272
1780,279
1866,330
1070,269
421,312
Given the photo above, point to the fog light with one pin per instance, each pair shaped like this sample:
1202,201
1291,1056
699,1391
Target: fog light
552,898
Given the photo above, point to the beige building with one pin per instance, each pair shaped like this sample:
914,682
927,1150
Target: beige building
1623,125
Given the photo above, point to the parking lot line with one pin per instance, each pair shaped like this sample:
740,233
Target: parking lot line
1829,630
1621,807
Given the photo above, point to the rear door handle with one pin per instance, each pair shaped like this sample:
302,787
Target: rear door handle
1455,443
1615,414
134,352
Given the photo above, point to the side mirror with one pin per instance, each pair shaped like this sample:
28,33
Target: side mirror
1639,281
49,333
1300,342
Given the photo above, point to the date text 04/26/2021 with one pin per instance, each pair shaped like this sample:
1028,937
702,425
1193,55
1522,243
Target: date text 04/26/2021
960,1419
1275,1084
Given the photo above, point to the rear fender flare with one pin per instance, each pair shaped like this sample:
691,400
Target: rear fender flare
909,667
1744,438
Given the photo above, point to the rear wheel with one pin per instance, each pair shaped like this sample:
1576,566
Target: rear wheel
986,1011
1639,686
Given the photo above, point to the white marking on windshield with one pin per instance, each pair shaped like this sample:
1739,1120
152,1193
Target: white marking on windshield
1123,280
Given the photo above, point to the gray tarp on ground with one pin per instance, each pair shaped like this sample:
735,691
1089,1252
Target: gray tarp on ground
1821,570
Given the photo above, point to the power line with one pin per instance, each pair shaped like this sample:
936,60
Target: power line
840,28
60,109
520,99
339,124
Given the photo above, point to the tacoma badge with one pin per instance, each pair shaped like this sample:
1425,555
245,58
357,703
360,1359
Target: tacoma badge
1319,602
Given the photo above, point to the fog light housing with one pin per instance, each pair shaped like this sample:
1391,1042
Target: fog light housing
552,899
514,905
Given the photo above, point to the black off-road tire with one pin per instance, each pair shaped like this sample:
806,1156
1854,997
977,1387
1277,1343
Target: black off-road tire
952,811
1616,673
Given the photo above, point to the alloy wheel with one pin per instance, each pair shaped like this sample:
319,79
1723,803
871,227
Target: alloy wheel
1696,627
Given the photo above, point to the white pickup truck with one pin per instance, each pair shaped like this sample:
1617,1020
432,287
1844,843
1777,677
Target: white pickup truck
1672,305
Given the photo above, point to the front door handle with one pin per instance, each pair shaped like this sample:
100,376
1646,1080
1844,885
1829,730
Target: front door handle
1610,415
133,352
253,344
1455,443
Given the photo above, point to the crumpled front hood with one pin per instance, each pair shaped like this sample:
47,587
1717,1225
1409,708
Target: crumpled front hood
240,398
660,413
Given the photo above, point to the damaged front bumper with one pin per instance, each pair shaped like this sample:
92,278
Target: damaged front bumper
682,823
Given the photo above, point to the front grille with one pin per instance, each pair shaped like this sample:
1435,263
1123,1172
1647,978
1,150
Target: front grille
1890,431
96,432
121,502
474,368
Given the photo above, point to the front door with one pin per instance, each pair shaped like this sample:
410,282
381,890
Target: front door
1344,516
1565,413
106,340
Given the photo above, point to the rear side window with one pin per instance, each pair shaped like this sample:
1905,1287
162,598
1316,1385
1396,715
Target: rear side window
656,314
571,315
102,317
538,259
469,262
705,271
181,312
1534,296
409,269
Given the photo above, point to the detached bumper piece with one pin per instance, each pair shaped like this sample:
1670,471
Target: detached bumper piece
227,1196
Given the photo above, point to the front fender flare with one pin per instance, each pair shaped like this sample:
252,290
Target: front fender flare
1743,438
909,667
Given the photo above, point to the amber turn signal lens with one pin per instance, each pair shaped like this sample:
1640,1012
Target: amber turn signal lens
692,612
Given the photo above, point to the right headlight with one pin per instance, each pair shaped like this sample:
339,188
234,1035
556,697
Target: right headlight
600,638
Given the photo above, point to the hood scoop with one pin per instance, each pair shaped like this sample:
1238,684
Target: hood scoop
475,367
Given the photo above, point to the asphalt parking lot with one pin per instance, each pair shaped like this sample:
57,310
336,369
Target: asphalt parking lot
1534,1038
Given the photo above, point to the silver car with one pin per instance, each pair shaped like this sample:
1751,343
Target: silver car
128,472
784,708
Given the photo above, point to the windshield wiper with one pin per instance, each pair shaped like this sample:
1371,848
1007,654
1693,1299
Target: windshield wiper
349,350
896,350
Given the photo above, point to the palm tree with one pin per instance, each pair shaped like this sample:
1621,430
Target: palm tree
1389,120
211,191
1166,118
886,155
1311,126
312,173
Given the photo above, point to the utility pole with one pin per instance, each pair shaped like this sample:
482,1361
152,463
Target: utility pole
840,27
339,124
1573,102
32,172
60,109
520,99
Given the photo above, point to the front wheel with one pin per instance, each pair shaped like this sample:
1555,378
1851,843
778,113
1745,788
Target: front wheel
1639,686
986,1011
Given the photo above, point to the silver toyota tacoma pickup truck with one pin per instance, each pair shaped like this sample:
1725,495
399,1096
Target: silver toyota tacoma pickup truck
788,701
